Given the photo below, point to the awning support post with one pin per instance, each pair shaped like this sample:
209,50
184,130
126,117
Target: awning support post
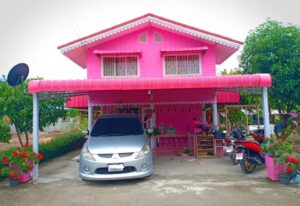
90,117
153,118
215,112
35,133
266,112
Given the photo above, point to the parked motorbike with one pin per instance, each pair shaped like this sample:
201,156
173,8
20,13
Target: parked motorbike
237,135
230,147
249,155
217,133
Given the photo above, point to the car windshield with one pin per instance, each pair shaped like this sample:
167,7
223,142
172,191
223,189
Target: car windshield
117,126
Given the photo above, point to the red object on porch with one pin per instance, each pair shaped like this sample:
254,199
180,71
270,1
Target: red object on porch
228,81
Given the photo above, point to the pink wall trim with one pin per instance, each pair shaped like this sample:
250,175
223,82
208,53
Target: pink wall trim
142,96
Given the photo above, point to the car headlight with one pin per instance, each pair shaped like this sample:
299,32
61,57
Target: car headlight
143,152
86,153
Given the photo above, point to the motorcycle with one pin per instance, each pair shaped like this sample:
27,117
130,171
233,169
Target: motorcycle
230,147
237,136
249,154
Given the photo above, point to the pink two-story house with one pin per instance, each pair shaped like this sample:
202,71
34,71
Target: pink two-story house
163,70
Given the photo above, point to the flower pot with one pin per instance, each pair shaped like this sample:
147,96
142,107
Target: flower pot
14,182
296,178
285,178
273,169
25,177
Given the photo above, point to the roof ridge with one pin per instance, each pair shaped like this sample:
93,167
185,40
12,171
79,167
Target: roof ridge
145,16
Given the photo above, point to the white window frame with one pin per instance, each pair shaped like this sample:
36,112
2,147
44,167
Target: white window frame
180,75
138,66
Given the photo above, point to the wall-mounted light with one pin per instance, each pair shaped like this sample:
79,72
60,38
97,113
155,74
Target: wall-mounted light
150,94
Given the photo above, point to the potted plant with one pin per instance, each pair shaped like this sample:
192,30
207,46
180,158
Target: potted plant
291,171
19,163
276,151
186,152
296,178
2,176
12,175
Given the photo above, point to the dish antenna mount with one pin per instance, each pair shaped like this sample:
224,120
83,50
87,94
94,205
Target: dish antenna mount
18,74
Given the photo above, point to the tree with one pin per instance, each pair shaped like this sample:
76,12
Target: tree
4,130
16,104
275,48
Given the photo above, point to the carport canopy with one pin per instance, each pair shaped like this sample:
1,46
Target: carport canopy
47,89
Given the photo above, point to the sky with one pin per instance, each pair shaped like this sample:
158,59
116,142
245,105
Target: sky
31,30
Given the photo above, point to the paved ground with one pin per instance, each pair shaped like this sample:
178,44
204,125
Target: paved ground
176,181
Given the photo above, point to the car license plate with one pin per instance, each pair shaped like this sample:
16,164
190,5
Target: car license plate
239,156
115,168
229,149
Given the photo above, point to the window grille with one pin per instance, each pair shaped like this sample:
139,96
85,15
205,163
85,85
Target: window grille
182,64
120,66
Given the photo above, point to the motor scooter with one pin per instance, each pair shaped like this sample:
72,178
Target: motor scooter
249,155
235,139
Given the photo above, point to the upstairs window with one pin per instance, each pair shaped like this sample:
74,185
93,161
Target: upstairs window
143,38
157,37
182,64
120,66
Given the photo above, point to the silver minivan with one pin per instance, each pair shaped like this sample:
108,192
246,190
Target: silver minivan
117,148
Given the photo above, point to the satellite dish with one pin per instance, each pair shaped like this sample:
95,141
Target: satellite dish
17,74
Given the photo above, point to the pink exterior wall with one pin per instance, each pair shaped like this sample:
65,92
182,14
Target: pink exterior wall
178,116
151,61
142,96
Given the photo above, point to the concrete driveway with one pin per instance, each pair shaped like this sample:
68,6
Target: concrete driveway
176,181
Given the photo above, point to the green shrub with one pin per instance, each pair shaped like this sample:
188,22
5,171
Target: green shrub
55,147
5,153
61,145
4,131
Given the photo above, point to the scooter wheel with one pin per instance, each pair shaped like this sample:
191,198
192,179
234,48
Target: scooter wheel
247,167
232,158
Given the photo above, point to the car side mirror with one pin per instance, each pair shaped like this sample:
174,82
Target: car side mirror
85,132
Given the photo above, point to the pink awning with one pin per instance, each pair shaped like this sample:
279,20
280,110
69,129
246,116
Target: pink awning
228,81
184,50
117,52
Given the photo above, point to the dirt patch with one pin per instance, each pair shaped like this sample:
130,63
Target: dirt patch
44,137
